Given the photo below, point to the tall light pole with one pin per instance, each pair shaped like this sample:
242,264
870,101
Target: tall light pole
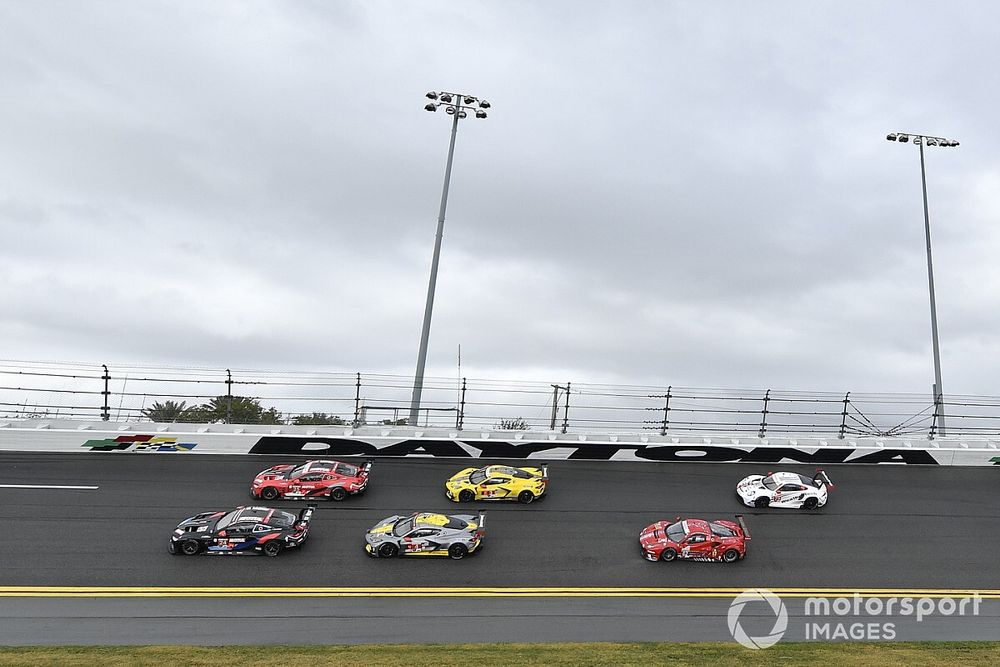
920,140
457,106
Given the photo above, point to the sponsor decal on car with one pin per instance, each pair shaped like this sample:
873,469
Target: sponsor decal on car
139,443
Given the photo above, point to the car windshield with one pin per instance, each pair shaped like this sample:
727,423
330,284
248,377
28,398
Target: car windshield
298,472
769,483
675,532
403,526
478,476
226,520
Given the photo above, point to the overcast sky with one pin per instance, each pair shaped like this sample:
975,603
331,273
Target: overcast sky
684,193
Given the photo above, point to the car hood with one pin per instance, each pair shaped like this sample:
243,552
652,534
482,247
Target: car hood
752,482
277,472
205,520
654,532
382,530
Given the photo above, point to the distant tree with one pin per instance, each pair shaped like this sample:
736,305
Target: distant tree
168,411
515,424
239,409
271,416
318,419
196,414
398,422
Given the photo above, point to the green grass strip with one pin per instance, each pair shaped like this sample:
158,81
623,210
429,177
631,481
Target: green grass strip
459,655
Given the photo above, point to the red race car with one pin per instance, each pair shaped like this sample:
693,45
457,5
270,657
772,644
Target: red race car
312,479
695,539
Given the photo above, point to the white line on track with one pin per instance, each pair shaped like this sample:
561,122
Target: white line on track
44,486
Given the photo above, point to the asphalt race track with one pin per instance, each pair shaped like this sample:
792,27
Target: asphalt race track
905,528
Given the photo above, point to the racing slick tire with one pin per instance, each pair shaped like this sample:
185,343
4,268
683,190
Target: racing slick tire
761,502
272,548
730,556
810,504
466,496
457,551
387,550
172,548
190,547
270,493
525,497
668,555
338,493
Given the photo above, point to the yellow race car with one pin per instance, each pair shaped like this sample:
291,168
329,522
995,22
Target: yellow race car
498,483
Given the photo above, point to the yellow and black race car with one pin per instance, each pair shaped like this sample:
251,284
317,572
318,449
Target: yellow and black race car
498,483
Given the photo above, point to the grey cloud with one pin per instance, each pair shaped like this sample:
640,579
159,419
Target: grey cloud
687,193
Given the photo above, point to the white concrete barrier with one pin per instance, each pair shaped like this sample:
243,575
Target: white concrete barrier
52,435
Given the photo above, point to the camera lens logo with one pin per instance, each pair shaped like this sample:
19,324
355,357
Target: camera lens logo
776,605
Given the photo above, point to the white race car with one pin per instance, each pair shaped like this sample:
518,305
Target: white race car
785,489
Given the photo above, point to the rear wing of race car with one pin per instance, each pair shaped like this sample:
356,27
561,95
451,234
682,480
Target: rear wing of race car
743,526
481,526
821,479
545,472
366,468
305,516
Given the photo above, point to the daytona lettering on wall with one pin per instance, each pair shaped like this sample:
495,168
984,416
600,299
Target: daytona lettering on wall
290,445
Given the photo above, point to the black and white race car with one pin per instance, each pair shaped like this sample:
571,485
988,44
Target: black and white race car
785,489
243,531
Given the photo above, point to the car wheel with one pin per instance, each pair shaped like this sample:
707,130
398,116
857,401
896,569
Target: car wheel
272,548
190,547
388,550
172,548
668,555
730,556
810,503
761,502
269,493
466,496
338,493
525,497
457,551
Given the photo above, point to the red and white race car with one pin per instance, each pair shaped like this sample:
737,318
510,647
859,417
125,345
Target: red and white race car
313,479
695,539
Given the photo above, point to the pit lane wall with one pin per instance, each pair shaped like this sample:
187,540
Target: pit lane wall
52,435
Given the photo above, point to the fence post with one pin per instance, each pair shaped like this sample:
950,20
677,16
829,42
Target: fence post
566,410
461,409
666,412
937,411
555,406
357,401
105,409
763,415
229,397
843,415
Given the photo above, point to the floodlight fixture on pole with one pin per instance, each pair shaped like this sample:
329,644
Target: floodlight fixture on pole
920,140
458,106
